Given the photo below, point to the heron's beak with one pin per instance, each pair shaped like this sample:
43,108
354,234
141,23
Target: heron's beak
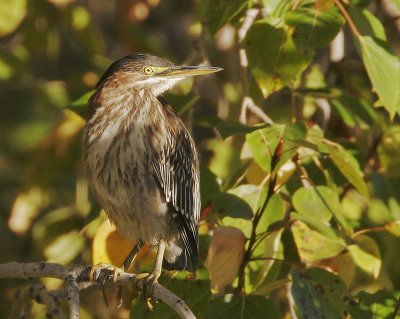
186,71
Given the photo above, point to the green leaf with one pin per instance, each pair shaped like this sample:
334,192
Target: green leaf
378,212
317,202
80,105
11,14
242,307
383,69
209,187
220,12
273,57
227,129
245,225
312,245
182,287
361,111
274,212
262,143
349,167
252,194
367,23
277,8
314,28
366,255
379,305
227,204
269,247
318,294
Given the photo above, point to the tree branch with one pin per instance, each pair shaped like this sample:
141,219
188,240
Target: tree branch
248,103
73,276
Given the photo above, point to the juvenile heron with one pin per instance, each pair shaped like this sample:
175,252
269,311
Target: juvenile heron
141,161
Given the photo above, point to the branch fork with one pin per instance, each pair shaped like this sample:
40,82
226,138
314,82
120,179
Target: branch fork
77,281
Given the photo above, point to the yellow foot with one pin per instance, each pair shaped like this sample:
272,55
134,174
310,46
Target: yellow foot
103,272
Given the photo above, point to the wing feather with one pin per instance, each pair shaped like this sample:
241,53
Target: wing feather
177,171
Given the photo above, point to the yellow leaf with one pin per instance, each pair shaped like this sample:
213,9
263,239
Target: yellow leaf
225,256
393,227
110,248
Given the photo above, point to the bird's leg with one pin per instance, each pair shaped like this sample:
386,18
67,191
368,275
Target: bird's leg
152,278
132,256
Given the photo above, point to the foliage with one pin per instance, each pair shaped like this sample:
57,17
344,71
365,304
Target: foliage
300,216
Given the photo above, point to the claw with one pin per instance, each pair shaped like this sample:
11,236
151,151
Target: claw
148,284
103,272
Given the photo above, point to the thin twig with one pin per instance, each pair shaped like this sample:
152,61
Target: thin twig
369,230
248,103
348,19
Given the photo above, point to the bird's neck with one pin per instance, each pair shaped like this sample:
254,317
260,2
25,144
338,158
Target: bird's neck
109,101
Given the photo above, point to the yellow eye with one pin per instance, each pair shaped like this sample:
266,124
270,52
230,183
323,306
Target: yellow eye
148,70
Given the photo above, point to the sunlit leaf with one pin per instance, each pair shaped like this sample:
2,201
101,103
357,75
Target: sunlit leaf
11,14
393,227
274,212
318,202
382,65
25,208
312,245
366,255
378,212
245,225
80,105
273,57
263,143
318,293
65,248
242,307
276,8
314,28
367,23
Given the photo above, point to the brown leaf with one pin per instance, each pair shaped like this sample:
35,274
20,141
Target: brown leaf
225,256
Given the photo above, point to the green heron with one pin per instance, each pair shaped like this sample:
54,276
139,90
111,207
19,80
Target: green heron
141,161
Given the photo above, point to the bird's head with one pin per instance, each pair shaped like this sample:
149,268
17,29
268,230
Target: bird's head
144,71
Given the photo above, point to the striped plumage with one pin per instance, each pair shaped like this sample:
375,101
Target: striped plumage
141,161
